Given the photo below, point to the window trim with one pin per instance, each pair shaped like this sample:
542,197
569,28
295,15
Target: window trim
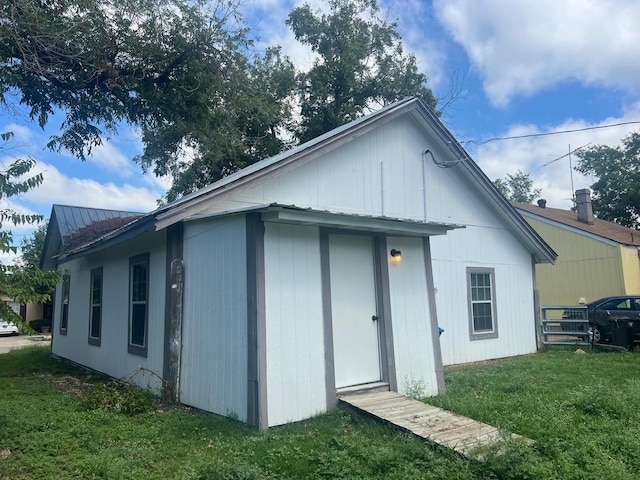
95,273
64,302
482,335
132,347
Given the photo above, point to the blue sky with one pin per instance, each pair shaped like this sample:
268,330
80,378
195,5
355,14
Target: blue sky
526,68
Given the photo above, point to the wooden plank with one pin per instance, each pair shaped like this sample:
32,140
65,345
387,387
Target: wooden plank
373,398
449,429
393,413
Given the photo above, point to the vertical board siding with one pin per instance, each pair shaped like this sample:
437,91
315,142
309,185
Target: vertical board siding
631,269
414,355
294,323
586,267
111,356
379,173
213,373
491,248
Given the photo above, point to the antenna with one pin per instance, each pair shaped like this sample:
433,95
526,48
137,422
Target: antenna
573,190
573,198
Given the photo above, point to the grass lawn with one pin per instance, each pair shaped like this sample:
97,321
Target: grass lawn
583,411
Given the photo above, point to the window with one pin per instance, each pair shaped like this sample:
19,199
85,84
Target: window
482,306
138,303
64,312
95,315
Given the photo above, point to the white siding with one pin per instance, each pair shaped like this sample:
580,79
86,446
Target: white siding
111,357
413,345
294,323
491,248
379,173
214,334
385,172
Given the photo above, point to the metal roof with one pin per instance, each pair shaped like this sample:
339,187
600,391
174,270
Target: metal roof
70,227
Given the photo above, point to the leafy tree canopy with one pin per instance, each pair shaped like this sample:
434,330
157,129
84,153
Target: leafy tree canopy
518,187
180,71
175,68
20,284
616,193
361,63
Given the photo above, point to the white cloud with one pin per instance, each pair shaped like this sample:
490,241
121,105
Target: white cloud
536,155
521,48
108,157
58,188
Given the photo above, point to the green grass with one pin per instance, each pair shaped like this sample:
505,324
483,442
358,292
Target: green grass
582,410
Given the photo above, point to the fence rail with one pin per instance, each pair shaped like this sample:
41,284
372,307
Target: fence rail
565,326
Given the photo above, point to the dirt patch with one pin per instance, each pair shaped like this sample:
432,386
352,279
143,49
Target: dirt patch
69,384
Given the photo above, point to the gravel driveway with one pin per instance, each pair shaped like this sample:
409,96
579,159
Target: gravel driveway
10,342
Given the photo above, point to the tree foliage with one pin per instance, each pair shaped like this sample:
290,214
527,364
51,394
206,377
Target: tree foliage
517,187
181,71
616,193
246,112
17,283
31,247
361,63
174,68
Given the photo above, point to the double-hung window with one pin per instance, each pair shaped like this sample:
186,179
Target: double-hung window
64,311
95,314
138,303
482,303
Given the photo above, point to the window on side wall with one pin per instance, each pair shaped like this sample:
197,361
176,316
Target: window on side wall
138,304
95,314
64,310
481,294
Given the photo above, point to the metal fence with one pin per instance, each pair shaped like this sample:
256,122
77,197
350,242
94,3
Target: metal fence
565,326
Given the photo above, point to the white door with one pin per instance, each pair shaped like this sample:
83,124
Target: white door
353,305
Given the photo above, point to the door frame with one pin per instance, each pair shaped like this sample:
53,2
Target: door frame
383,300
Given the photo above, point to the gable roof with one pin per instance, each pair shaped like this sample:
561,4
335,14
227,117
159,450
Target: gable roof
601,228
193,204
70,227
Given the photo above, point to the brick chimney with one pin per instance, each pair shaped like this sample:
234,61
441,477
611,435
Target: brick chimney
583,206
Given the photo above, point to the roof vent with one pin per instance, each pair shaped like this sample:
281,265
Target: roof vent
583,205
542,203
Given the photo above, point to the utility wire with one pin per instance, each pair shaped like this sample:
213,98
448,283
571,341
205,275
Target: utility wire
495,139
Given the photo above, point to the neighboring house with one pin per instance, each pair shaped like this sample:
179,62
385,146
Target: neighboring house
328,267
596,258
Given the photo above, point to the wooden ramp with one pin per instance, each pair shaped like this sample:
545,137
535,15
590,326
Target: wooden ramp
462,434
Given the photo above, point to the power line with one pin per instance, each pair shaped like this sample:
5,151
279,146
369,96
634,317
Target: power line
558,132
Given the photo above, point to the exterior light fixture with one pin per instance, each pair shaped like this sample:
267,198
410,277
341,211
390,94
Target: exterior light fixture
396,255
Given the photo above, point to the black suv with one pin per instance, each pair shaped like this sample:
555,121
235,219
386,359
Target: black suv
607,313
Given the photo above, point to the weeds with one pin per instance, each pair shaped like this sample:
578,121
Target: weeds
116,397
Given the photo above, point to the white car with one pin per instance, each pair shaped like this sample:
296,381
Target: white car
8,328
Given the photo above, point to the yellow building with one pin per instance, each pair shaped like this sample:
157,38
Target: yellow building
596,258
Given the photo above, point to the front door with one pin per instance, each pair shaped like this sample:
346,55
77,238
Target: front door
354,313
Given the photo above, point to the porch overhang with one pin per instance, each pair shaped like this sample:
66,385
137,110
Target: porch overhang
357,222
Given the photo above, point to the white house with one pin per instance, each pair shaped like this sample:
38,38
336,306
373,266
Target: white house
327,267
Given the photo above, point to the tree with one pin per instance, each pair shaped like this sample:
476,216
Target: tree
31,248
243,123
517,187
107,61
616,193
361,63
177,69
20,284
